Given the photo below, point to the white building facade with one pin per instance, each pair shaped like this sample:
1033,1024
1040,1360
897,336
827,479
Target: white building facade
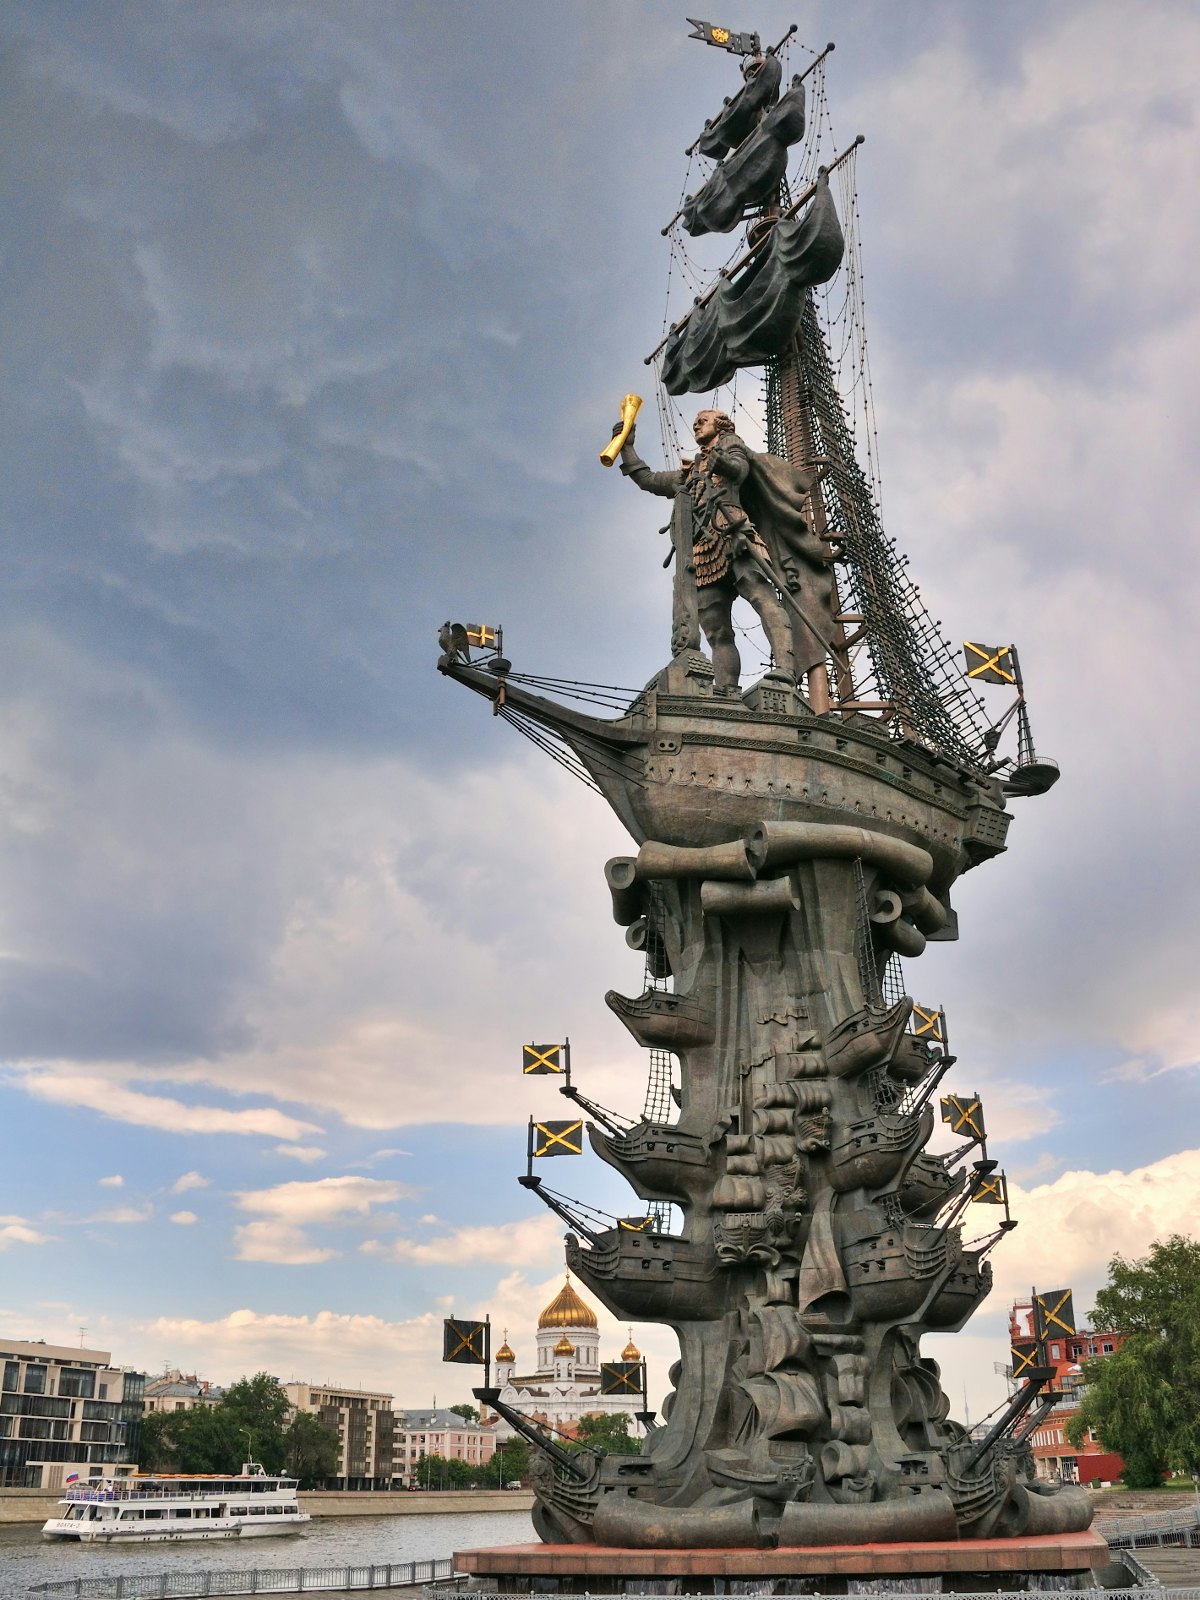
563,1386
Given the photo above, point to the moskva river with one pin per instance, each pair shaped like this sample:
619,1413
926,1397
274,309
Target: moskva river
26,1558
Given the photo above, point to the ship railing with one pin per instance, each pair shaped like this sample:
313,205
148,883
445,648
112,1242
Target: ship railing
233,1581
173,1492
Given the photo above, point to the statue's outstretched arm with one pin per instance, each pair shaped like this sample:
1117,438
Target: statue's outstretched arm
664,483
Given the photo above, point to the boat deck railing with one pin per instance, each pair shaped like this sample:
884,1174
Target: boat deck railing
276,1580
190,1491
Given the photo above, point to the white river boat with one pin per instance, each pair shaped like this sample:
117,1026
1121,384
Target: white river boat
159,1508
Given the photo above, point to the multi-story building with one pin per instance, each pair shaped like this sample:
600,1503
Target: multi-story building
366,1428
436,1431
1054,1456
564,1386
179,1391
64,1410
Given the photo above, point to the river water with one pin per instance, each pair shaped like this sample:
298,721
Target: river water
25,1557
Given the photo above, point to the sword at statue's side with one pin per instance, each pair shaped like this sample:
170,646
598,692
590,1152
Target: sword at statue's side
630,407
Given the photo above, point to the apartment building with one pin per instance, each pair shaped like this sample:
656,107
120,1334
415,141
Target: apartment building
65,1410
179,1391
1055,1458
436,1431
365,1424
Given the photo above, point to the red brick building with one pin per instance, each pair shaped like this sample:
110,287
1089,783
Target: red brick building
1054,1457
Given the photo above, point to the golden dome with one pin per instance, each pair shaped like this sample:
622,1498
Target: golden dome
631,1351
564,1347
504,1353
567,1310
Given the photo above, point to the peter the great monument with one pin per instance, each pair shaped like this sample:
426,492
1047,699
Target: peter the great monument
794,838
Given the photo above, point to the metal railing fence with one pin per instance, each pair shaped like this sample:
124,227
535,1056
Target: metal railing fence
276,1580
1155,1528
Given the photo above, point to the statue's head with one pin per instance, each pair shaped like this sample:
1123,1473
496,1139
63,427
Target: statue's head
710,425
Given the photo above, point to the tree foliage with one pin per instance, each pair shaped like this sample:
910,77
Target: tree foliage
609,1433
1144,1400
249,1423
464,1410
312,1450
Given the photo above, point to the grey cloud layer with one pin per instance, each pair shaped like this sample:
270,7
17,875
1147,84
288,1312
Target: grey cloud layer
318,324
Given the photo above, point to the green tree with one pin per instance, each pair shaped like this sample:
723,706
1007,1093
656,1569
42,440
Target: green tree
258,1409
312,1449
464,1410
155,1450
609,1433
510,1463
1143,1401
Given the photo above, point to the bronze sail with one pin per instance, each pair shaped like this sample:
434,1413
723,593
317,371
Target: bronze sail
755,316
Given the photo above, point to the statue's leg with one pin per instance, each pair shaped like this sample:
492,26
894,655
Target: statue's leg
754,587
716,618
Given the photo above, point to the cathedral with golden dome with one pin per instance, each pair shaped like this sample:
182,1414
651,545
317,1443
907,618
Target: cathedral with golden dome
564,1385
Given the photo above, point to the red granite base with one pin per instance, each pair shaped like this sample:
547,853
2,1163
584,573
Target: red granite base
597,1568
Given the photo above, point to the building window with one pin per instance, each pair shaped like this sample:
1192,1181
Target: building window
12,1375
35,1380
1107,1347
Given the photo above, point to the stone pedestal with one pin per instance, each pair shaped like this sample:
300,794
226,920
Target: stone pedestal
951,1566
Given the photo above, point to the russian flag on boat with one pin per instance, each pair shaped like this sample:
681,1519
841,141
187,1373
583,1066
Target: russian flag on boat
71,1477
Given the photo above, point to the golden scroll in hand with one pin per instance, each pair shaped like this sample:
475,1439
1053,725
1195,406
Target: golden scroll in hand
630,407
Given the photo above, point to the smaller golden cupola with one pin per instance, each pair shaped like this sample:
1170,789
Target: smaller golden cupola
631,1351
564,1347
504,1353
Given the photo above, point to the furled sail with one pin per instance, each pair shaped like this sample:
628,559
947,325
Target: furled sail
753,172
754,316
735,120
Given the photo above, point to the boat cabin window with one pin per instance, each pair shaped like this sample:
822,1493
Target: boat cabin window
258,1511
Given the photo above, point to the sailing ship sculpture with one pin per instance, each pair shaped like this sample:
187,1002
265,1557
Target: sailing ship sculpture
792,841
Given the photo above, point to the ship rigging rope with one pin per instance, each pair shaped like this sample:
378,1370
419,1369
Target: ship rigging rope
587,1213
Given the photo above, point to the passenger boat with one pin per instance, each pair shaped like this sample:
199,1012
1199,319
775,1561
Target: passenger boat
154,1508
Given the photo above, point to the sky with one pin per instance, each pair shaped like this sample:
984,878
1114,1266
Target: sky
316,320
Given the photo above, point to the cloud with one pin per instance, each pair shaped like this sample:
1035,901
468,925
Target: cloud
370,1351
376,1157
112,1099
278,1242
116,1181
190,1180
301,1152
123,1215
17,1230
531,1240
184,1219
323,1199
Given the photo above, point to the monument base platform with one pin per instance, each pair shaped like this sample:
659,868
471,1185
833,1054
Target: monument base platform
958,1566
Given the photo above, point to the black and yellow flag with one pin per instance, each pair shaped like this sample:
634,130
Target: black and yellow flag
621,1377
464,1342
738,44
989,1188
1053,1313
537,1058
990,663
558,1138
964,1113
927,1023
481,636
635,1224
1024,1359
